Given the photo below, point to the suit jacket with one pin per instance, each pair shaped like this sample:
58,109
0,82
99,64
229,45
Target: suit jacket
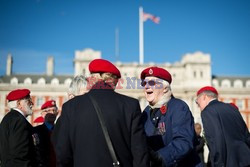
45,150
226,134
16,142
172,136
80,140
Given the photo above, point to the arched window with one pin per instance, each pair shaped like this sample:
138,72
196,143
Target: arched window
28,81
14,81
225,83
248,84
68,81
41,81
55,81
238,83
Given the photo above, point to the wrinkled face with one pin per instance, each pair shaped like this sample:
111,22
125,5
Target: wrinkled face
153,89
25,105
201,101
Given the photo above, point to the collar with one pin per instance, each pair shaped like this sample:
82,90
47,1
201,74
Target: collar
18,110
164,100
102,85
212,100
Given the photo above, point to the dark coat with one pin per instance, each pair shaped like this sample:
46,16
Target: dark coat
45,150
80,139
16,141
176,145
226,134
200,148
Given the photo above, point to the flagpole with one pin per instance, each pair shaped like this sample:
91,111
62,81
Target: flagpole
141,47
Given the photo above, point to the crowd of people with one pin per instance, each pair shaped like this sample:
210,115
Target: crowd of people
99,127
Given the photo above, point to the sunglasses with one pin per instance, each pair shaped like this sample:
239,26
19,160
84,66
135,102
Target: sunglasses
150,83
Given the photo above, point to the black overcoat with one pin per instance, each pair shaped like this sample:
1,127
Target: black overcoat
227,135
44,148
79,137
16,141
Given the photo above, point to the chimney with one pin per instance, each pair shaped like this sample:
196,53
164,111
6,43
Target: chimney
50,66
9,65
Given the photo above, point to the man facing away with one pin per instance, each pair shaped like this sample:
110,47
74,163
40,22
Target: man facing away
16,140
226,133
78,86
81,140
168,122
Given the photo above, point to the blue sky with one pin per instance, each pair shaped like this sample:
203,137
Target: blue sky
32,30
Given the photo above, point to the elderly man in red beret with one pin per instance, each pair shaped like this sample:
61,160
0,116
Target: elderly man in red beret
168,122
226,133
45,150
16,133
82,141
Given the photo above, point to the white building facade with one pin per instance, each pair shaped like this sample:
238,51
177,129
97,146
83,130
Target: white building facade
192,72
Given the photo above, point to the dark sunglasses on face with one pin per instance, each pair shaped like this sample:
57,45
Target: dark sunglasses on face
150,83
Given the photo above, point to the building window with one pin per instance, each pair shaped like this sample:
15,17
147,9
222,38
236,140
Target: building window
201,73
28,81
240,104
248,84
194,74
248,104
41,81
40,101
14,81
226,83
55,81
68,81
226,100
238,84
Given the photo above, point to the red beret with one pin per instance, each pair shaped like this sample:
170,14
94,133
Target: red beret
18,94
39,120
207,88
48,104
101,65
157,72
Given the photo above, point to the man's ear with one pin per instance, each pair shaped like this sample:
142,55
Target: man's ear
165,89
18,103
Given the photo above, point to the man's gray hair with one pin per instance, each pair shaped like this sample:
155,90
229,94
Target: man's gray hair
77,85
211,94
12,104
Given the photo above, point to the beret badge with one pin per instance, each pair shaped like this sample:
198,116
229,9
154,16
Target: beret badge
150,71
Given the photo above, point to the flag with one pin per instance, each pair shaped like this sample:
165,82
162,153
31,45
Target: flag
153,18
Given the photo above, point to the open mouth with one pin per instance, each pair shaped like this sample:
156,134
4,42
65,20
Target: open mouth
149,93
